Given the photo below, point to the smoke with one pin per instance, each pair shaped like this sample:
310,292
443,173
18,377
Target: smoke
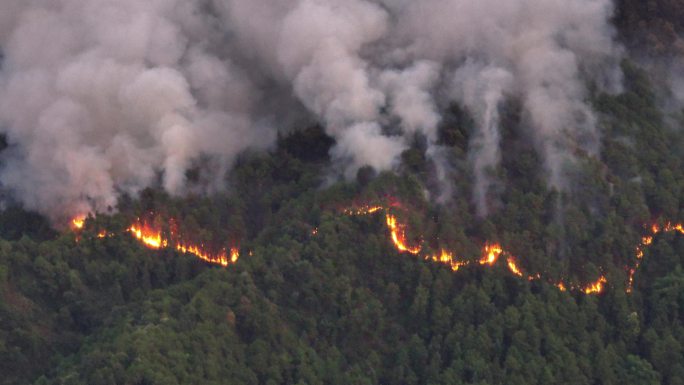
103,97
100,97
482,90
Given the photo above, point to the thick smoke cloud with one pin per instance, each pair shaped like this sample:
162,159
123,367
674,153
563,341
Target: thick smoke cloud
99,97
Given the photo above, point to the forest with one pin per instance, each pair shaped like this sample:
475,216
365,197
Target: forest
321,297
287,277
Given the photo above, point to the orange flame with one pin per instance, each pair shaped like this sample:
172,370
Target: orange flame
221,258
490,254
647,240
399,236
514,268
364,210
152,238
448,259
78,222
596,287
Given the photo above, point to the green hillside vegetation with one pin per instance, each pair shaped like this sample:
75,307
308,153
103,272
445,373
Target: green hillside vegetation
343,306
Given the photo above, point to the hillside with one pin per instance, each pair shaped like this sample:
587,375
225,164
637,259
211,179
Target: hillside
318,296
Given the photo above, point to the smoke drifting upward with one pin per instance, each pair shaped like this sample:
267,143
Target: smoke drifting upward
99,97
481,89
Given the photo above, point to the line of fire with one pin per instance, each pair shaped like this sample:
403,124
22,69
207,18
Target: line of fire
153,237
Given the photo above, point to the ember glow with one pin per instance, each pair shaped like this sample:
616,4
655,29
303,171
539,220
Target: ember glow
447,258
222,258
148,236
513,267
363,210
646,241
153,238
490,255
596,287
398,233
78,222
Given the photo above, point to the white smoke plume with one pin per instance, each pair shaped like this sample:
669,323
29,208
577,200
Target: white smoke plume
482,89
99,97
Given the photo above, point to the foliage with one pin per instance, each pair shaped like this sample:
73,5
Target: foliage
340,305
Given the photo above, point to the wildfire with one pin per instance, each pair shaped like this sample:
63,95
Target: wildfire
363,210
514,268
490,254
78,222
154,239
399,236
595,287
222,258
447,258
148,236
647,240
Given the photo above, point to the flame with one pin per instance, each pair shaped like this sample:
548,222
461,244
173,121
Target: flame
399,236
647,240
596,287
514,268
222,258
490,254
148,236
153,238
447,258
630,283
78,222
363,210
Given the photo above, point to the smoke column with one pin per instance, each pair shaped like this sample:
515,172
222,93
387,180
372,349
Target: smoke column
100,97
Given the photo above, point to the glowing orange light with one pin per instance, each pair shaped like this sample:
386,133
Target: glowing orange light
447,258
363,210
639,252
399,236
153,238
647,240
78,222
655,229
222,258
150,237
490,254
513,267
596,287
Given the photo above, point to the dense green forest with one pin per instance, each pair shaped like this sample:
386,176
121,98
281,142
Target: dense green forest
340,304
320,297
